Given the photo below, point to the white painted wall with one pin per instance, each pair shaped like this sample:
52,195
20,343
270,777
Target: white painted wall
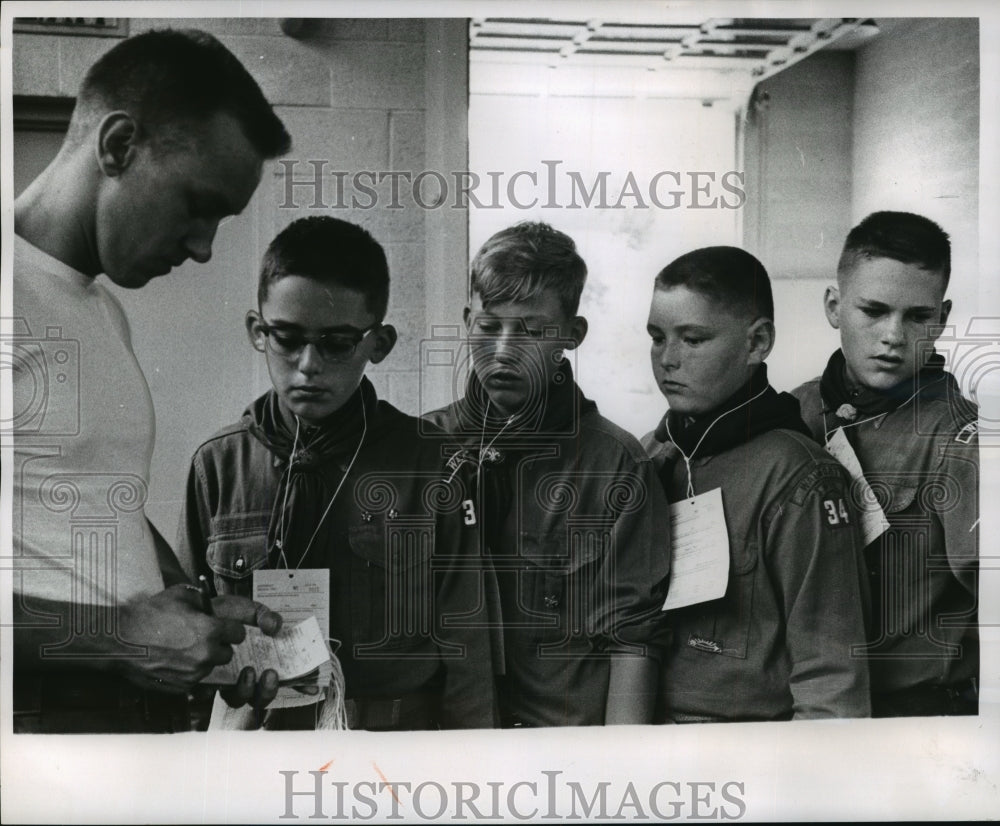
624,247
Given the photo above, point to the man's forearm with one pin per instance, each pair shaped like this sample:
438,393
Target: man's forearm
44,637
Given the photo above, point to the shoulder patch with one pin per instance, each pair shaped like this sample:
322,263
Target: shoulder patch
966,433
827,478
458,458
835,512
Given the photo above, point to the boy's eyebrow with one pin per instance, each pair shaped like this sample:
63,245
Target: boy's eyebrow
682,328
879,305
526,320
291,325
693,328
488,311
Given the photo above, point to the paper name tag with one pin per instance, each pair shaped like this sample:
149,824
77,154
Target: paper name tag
295,594
873,520
699,562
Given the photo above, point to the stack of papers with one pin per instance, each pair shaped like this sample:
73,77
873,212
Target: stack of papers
298,653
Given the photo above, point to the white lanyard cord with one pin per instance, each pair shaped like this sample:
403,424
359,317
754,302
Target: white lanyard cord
482,438
357,450
688,458
284,503
877,415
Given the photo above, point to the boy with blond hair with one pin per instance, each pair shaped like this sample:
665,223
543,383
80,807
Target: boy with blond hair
573,518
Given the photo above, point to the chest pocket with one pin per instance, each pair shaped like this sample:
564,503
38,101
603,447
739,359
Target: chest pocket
391,586
894,496
559,584
236,548
902,500
722,626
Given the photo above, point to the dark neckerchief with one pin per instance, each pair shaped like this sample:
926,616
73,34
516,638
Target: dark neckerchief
556,412
314,471
503,440
849,403
734,422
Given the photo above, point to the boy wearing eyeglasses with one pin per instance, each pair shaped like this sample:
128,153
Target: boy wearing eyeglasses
573,516
320,475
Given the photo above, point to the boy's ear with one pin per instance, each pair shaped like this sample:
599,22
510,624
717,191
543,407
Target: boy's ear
945,311
577,332
117,137
760,336
467,316
385,340
254,332
831,306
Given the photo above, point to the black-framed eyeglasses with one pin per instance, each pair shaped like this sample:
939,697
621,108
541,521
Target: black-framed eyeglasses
333,348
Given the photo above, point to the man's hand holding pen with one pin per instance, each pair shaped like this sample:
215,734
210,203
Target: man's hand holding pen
186,633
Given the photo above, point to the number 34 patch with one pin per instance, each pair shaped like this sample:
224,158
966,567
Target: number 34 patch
836,512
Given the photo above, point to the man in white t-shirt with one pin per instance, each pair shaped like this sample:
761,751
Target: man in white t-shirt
167,138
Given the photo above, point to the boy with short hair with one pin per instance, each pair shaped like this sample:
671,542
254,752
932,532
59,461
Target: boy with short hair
776,646
573,516
320,474
167,138
915,437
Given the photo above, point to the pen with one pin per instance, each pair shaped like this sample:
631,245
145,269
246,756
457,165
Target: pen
206,595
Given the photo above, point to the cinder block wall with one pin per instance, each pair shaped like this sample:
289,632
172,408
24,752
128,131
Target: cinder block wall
355,95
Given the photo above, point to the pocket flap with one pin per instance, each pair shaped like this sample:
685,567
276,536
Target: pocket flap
574,549
238,556
893,496
397,550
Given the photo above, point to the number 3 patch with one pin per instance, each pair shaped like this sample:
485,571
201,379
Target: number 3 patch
469,516
836,512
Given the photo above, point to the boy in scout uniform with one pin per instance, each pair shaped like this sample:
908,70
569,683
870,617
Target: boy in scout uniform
573,518
321,476
774,640
886,394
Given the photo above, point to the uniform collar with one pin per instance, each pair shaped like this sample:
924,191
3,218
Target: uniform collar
753,409
850,402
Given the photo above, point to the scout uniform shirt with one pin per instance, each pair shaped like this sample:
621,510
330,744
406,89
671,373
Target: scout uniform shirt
405,583
918,448
778,644
575,524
